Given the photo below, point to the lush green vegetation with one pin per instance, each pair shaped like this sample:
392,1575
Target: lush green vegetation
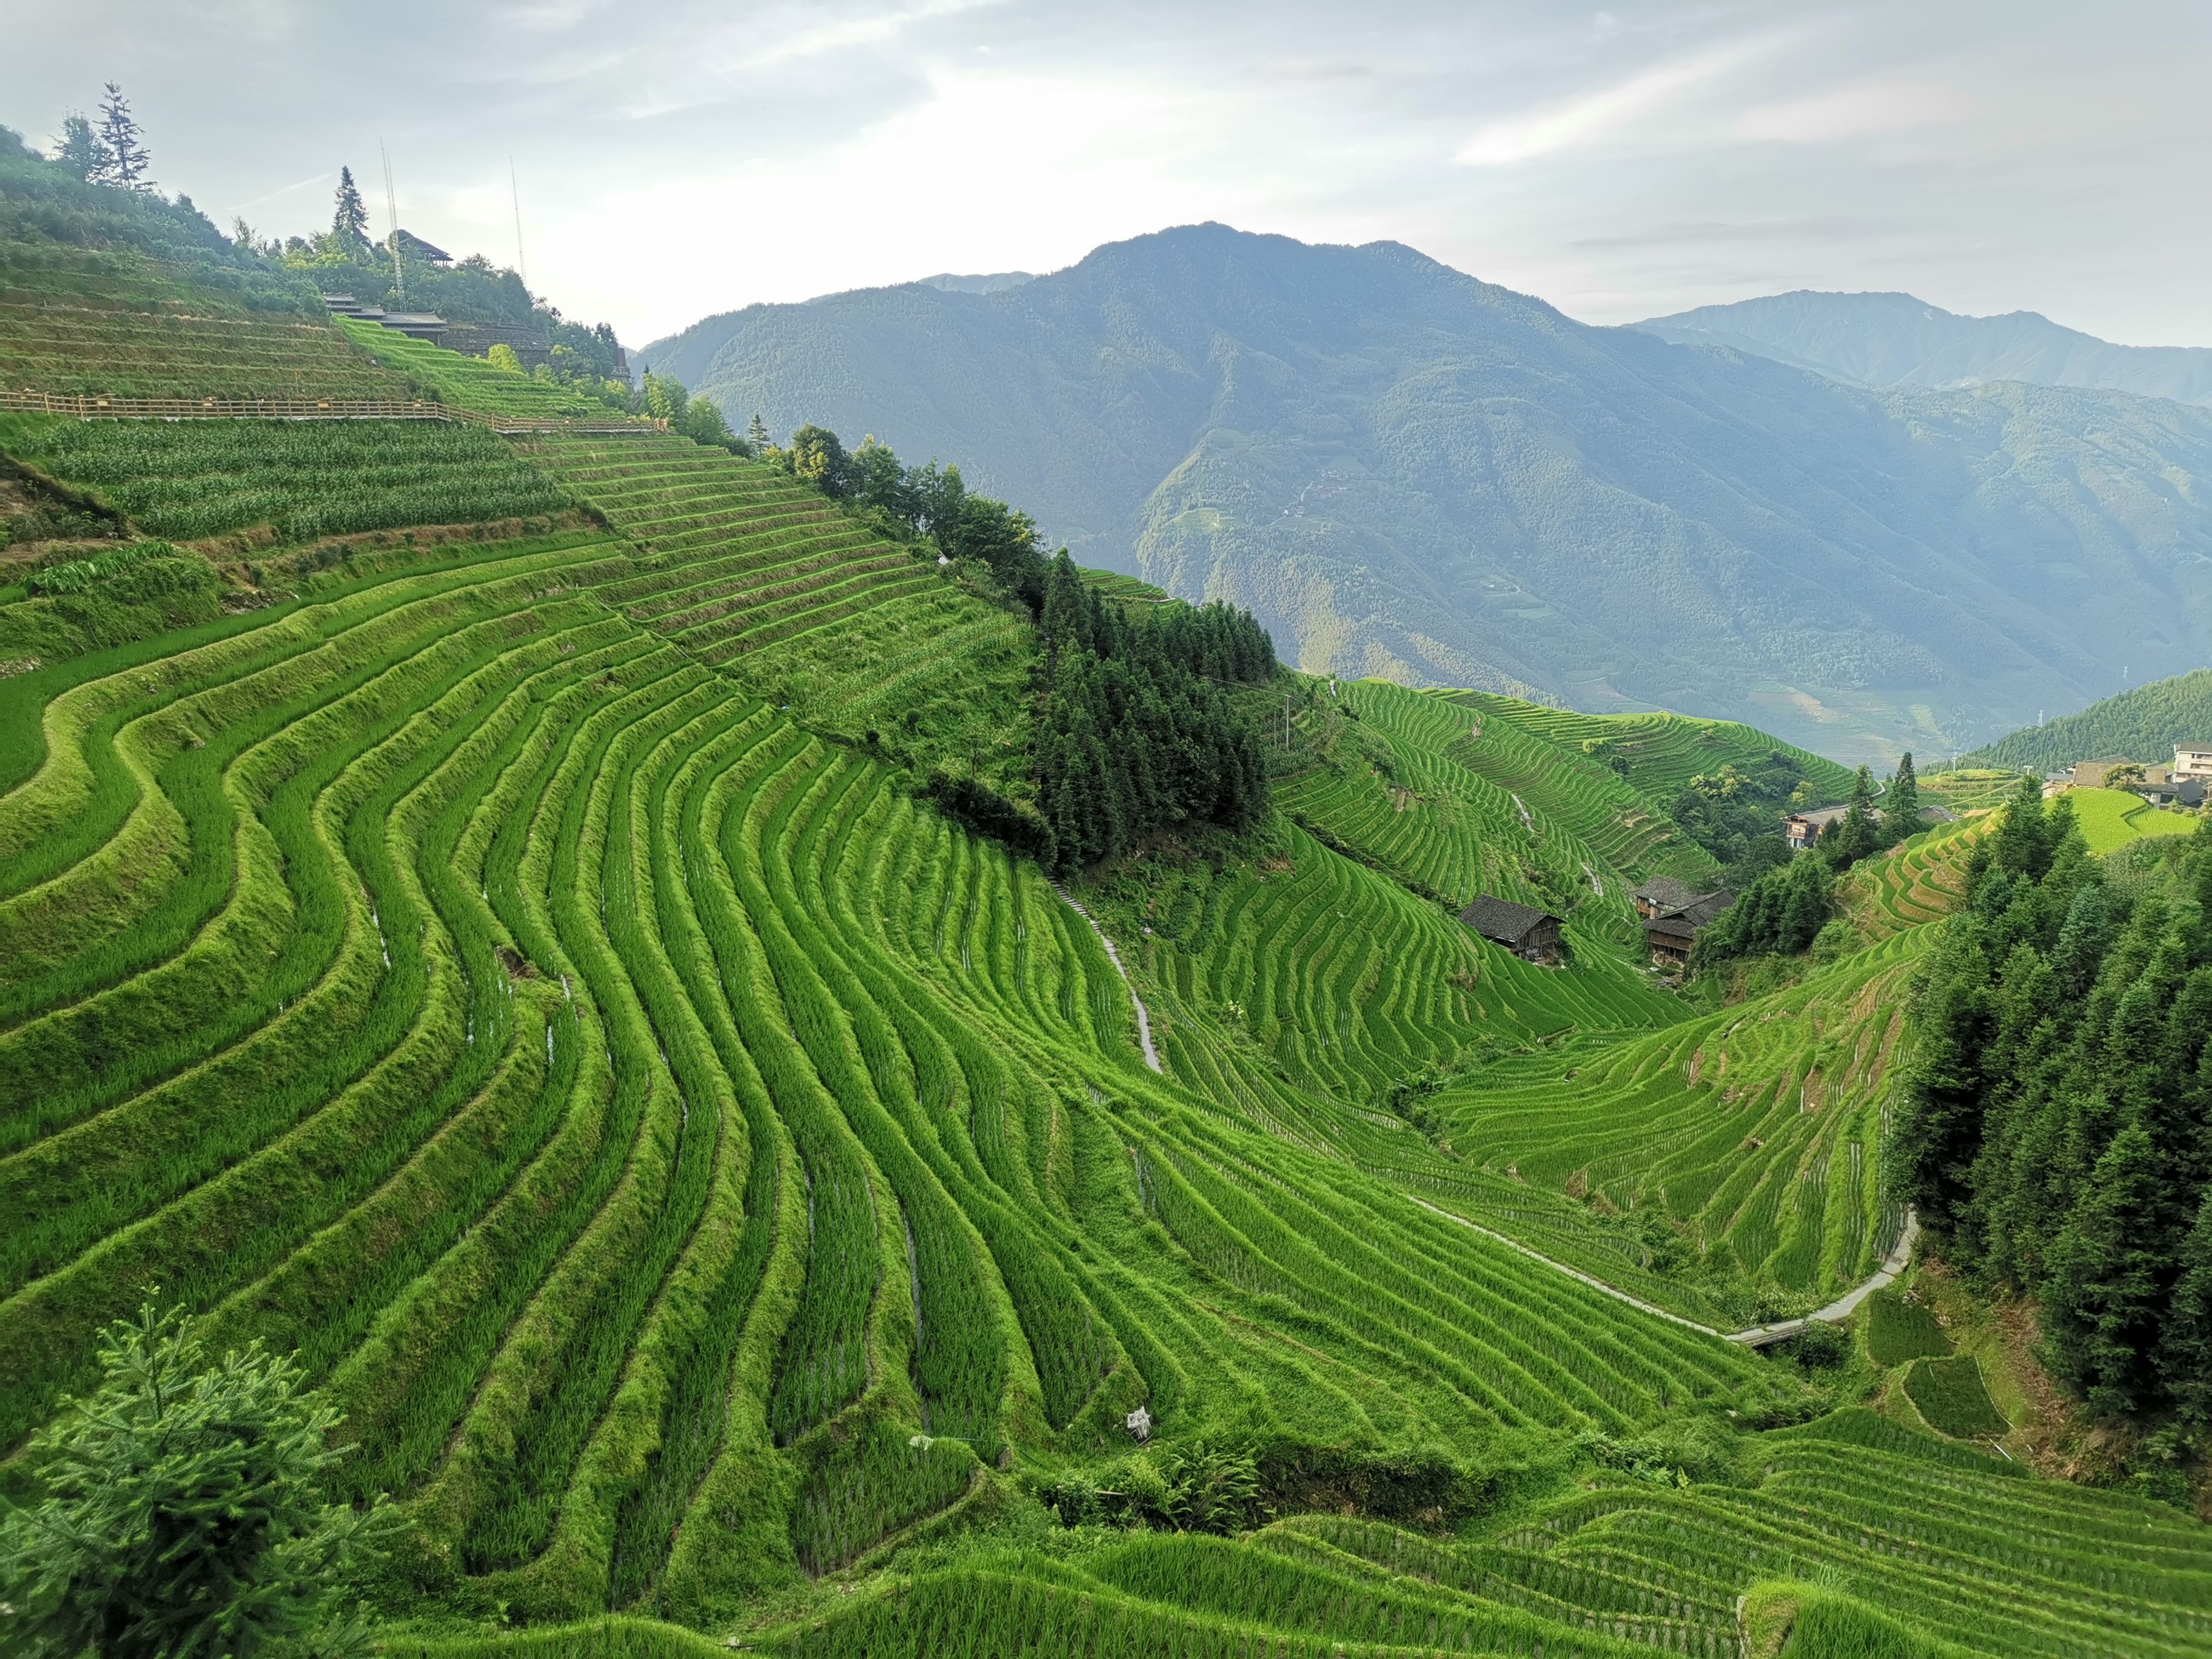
1900,1329
182,1512
1952,1398
2056,1132
2142,723
285,481
1440,482
2110,818
721,1198
1139,738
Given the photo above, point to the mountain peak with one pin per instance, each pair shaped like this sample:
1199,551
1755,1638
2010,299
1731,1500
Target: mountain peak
1898,340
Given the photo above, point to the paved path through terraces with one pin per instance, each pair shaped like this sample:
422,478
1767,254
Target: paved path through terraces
1757,1336
1143,1020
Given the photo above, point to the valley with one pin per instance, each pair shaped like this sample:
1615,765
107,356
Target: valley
797,1202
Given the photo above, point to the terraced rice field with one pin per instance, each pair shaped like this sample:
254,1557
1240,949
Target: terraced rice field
754,574
1452,807
1969,790
72,321
1921,881
467,382
1664,751
289,481
736,1069
516,980
1960,1546
1755,1132
2111,818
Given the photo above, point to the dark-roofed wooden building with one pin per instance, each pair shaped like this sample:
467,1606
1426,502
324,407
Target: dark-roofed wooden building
1661,894
1532,935
1671,934
1803,829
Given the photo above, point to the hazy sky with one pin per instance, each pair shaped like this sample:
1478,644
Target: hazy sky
677,159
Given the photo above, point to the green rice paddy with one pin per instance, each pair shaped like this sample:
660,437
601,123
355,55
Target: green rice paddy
722,1194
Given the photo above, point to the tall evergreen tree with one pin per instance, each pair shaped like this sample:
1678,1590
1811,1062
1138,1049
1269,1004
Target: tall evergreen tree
2184,1348
756,433
1857,834
1901,805
126,160
349,219
2102,1298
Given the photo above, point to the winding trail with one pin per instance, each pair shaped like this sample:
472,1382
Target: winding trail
1757,1336
1144,1019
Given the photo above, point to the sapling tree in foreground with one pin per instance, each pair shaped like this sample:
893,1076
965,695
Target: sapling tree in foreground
183,1514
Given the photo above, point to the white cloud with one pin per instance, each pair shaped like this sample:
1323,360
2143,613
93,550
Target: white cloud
1864,110
1592,116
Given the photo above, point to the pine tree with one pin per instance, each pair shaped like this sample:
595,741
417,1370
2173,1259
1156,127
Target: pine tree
2184,1348
756,433
1857,835
1901,807
2022,846
79,151
181,1513
349,222
126,160
2101,1297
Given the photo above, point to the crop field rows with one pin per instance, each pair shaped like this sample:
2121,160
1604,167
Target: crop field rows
1920,882
471,382
289,481
1759,1127
127,353
477,1047
587,1033
1421,795
1346,982
1623,824
695,1167
1964,1548
756,575
1663,751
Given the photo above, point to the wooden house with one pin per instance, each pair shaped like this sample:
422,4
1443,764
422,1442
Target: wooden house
2093,774
1803,829
1671,934
1661,895
1532,935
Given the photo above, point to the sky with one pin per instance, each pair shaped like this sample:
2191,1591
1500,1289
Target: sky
677,159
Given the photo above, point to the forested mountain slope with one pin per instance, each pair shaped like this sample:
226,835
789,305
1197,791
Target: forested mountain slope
1407,472
2143,724
1895,340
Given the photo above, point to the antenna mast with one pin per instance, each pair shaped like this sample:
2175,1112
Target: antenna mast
521,265
391,216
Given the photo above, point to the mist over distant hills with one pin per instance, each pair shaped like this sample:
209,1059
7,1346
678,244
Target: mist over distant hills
1895,340
1407,472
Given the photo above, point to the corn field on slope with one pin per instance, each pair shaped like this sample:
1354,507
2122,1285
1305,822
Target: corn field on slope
521,978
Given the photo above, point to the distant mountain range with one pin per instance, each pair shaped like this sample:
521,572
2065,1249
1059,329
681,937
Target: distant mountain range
1895,340
1407,472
